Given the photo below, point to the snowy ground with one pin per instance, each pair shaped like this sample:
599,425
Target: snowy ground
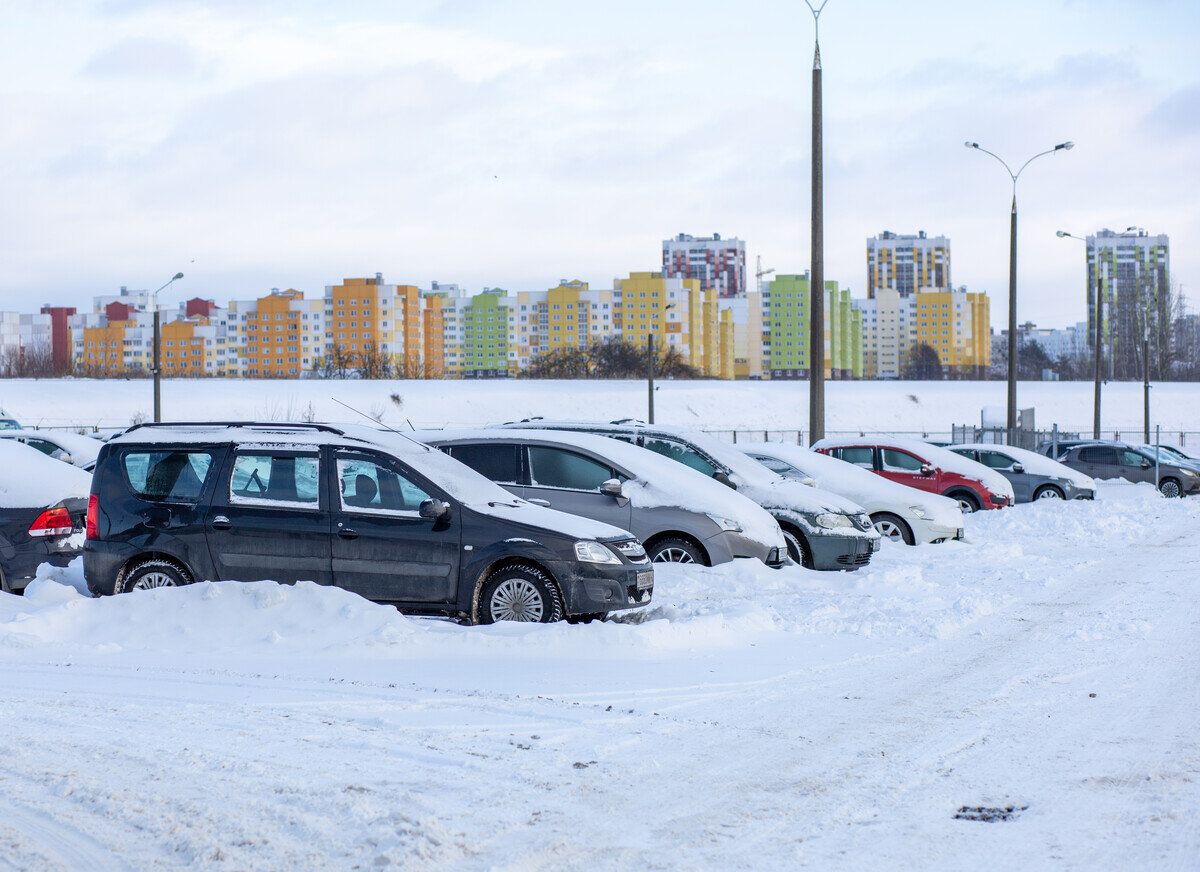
749,719
852,407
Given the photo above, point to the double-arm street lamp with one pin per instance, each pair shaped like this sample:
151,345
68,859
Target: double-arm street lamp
1011,422
650,361
1099,338
157,368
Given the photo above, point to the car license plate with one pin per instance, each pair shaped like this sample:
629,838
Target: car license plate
645,579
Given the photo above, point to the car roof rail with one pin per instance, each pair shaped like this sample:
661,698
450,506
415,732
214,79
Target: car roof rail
627,421
249,425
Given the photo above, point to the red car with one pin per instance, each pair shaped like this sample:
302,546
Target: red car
925,467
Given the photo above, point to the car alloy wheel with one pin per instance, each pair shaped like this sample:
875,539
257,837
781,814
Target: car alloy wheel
672,555
151,580
1048,493
889,530
516,599
1170,488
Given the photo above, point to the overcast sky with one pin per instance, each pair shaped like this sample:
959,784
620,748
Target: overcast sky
289,144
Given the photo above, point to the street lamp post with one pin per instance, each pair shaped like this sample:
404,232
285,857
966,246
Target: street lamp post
816,284
1011,421
650,363
156,368
1099,340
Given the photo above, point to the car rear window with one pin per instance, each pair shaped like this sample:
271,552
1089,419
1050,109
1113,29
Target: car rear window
1098,454
267,479
168,475
858,455
553,467
497,462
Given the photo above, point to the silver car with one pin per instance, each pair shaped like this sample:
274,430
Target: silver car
1033,476
680,515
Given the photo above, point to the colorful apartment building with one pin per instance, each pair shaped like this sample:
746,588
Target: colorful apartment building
907,263
788,316
955,324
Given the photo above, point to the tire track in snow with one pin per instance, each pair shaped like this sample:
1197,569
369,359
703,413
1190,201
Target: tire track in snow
68,848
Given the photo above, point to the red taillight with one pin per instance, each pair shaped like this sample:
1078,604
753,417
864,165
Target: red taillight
91,517
52,522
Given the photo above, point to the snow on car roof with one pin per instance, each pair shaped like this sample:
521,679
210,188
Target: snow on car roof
1037,464
30,479
761,485
83,449
659,480
941,457
845,478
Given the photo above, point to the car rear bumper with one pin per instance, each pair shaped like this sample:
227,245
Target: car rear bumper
20,562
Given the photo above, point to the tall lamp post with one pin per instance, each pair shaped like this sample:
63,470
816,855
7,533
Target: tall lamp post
157,368
1011,422
816,284
1099,339
650,362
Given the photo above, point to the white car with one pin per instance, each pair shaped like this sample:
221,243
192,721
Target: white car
70,448
900,513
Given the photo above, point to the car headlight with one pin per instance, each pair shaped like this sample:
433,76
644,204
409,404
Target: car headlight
918,511
1188,473
830,521
727,525
594,552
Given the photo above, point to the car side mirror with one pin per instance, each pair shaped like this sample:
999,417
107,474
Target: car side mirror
926,469
1018,468
64,457
433,509
611,488
1146,464
811,482
723,478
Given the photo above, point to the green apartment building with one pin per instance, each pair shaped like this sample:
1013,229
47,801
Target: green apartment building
787,317
485,336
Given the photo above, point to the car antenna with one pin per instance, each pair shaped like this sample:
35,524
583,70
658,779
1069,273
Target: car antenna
383,425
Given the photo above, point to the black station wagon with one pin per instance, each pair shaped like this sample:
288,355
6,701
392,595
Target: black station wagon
372,512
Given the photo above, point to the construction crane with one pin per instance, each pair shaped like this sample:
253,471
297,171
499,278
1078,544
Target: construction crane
760,272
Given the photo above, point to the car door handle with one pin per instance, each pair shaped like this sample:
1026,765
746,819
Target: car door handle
220,522
545,504
347,533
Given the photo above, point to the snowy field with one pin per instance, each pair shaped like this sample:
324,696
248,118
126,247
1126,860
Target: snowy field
748,719
851,407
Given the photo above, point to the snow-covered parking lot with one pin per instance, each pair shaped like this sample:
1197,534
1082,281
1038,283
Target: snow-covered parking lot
749,719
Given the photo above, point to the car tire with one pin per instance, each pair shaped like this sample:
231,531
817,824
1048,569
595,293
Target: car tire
520,593
966,500
797,548
586,619
153,573
676,550
1170,488
1049,492
893,527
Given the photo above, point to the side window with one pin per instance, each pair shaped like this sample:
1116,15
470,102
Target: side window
1097,454
266,479
995,460
177,476
368,486
860,455
43,446
1132,458
776,465
491,460
899,461
554,467
685,454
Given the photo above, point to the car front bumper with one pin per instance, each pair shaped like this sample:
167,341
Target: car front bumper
842,552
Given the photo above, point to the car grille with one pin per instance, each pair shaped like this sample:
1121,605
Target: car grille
632,550
855,559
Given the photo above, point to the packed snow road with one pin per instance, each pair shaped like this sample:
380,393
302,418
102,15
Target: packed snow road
749,719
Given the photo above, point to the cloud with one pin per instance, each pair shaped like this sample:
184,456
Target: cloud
1178,114
145,58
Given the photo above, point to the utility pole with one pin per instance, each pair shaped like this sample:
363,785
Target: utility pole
816,280
157,368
